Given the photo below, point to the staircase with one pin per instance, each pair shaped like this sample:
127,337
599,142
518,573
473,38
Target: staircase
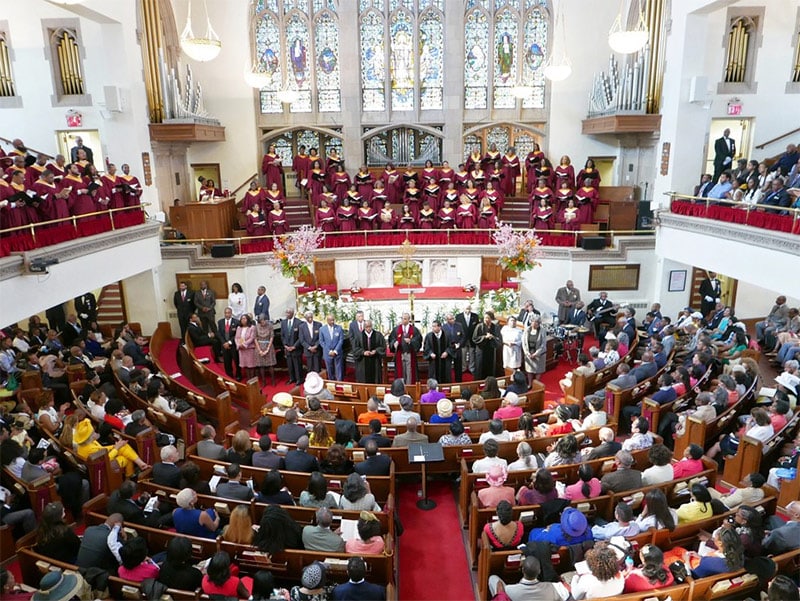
516,211
111,306
297,212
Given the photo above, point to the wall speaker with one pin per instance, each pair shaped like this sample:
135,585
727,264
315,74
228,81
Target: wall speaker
698,88
593,243
221,251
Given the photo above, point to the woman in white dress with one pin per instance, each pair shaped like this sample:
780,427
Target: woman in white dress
237,301
512,345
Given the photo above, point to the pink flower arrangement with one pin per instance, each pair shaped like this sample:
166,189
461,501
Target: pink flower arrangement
293,252
518,251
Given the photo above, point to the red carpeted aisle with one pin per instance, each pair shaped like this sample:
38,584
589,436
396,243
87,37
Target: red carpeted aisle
433,560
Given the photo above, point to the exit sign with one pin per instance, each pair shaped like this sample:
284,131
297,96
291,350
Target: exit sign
734,109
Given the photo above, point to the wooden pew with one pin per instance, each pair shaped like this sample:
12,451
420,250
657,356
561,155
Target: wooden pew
584,385
39,492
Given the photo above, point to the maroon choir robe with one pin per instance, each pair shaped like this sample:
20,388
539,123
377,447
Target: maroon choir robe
446,218
272,168
466,216
566,172
365,183
276,220
256,224
346,216
326,219
511,171
252,197
113,191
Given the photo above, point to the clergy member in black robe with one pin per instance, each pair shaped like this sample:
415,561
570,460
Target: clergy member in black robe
486,338
457,337
438,350
368,352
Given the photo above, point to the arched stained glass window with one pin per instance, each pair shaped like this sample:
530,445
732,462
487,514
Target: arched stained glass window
306,33
402,41
505,45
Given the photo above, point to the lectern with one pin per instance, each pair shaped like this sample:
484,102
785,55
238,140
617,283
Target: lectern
425,453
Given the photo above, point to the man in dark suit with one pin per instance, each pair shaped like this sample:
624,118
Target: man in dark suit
234,488
710,292
608,447
121,501
226,334
724,151
183,300
201,337
266,457
704,187
778,196
309,341
96,549
527,313
375,436
601,314
458,338
646,369
166,473
436,348
298,460
207,447
357,588
468,320
291,431
625,477
72,331
205,303
73,152
629,325
374,464
262,304
86,307
290,337
356,329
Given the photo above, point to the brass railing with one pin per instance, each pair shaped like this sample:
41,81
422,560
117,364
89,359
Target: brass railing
748,208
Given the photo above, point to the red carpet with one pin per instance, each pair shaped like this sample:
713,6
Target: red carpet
433,560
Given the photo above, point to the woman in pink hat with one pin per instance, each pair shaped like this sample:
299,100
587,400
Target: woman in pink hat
496,491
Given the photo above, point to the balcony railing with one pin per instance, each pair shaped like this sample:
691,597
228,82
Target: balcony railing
770,217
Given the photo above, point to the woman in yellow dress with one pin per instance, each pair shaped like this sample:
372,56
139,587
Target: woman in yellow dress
85,440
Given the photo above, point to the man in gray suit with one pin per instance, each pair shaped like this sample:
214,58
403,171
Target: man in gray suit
321,537
529,588
234,488
207,447
566,298
205,302
410,435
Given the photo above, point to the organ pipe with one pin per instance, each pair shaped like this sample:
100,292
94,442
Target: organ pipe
6,78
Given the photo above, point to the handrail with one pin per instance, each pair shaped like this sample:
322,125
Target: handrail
781,137
243,184
33,150
73,219
732,203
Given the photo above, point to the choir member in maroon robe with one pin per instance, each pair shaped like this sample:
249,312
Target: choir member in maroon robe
446,217
563,194
132,189
472,192
426,217
429,173
378,197
431,193
255,195
276,220
461,178
473,160
313,156
113,188
325,217
209,191
58,167
532,161
256,221
273,195
13,212
301,165
387,218
340,181
52,199
332,163
565,170
355,198
346,216
365,182
96,187
466,214
450,193
478,178
366,216
316,181
589,171
446,175
393,183
413,196
495,174
586,199
491,157
546,171
80,199
487,217
542,191
18,165
328,197
408,175
407,219
272,168
34,172
83,160
495,197
511,171
405,341
570,217
543,215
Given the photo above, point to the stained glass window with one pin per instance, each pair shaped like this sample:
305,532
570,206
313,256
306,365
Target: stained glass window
283,28
288,143
403,145
505,45
412,59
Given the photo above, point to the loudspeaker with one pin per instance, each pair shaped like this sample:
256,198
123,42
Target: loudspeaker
698,88
593,243
221,251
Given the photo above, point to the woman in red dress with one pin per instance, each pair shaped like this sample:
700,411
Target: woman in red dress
532,161
591,172
511,171
387,218
346,216
272,168
393,183
427,216
466,214
340,181
570,217
256,221
276,219
365,181
543,215
366,216
325,217
487,217
407,219
429,173
446,217
565,170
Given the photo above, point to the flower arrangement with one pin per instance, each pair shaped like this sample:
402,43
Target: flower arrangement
518,251
293,252
319,302
502,300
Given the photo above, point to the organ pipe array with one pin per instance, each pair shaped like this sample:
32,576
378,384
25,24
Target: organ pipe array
6,77
622,89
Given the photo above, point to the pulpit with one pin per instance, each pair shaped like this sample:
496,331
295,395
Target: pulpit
205,220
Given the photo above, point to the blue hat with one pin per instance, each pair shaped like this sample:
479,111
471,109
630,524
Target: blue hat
573,522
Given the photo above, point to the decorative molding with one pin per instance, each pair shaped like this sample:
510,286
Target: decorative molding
747,235
621,124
